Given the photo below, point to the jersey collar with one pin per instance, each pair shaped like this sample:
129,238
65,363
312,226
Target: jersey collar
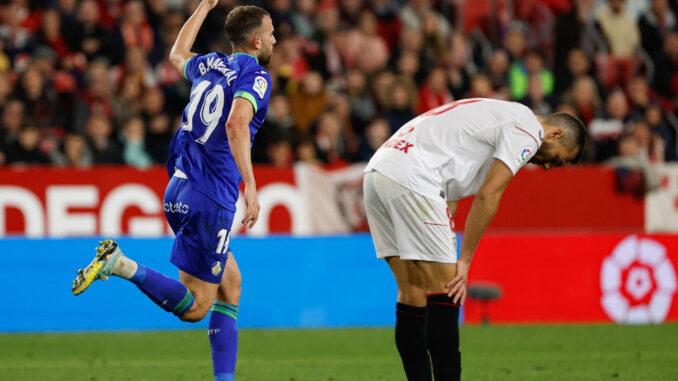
246,54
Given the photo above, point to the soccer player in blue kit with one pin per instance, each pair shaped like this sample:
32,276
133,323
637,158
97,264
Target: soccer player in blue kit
209,157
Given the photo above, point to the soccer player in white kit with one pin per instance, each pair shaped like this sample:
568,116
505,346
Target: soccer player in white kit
412,184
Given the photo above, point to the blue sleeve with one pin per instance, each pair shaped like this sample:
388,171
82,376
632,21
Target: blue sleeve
192,67
255,86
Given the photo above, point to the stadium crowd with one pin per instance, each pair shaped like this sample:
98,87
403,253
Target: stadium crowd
86,82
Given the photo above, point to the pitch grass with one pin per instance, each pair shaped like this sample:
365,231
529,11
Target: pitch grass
593,352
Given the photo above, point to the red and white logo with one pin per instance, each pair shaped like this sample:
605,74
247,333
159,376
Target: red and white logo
637,282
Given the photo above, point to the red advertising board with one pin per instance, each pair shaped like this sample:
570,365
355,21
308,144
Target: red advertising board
302,200
576,278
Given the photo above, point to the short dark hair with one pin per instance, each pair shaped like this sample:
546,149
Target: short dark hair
241,22
575,131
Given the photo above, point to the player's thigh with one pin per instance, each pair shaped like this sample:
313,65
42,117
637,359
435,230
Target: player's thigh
411,282
378,218
229,288
422,228
202,239
437,275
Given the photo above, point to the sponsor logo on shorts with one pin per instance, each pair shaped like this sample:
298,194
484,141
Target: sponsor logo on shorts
525,154
216,268
176,207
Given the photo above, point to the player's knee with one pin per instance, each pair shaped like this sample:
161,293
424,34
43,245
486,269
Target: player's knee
197,312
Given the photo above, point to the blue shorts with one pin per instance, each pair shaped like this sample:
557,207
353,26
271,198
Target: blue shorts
202,228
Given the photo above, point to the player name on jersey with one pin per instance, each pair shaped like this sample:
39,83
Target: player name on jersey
214,63
398,144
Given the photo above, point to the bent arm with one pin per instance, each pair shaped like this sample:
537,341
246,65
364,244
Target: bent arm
181,50
484,207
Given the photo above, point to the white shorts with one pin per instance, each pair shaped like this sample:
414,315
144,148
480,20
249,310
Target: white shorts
406,224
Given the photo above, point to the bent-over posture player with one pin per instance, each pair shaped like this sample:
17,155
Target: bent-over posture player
469,147
209,157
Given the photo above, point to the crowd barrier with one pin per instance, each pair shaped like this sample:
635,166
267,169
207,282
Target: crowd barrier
337,282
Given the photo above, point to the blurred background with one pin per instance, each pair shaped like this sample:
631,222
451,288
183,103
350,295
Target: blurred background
89,103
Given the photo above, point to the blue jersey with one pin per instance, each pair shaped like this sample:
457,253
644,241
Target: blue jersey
200,147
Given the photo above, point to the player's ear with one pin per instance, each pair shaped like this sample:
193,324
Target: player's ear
556,134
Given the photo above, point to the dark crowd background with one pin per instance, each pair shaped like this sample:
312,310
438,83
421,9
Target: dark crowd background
86,82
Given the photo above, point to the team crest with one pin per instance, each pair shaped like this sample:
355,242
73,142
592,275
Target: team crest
260,86
525,154
216,268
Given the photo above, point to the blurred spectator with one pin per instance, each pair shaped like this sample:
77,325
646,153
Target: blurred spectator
514,42
434,35
133,138
376,133
12,119
25,150
278,125
498,68
87,36
308,101
583,96
280,153
434,91
535,99
572,30
605,131
635,174
619,29
654,116
50,33
458,60
400,98
105,148
413,15
6,88
133,31
330,140
409,65
651,144
666,67
578,66
520,72
96,99
14,36
74,152
307,152
365,49
302,19
640,95
481,87
655,22
362,106
136,65
127,103
158,133
39,99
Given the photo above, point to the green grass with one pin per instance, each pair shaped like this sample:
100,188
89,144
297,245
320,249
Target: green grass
591,352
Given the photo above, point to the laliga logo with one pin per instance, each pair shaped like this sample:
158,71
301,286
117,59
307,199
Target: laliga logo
637,282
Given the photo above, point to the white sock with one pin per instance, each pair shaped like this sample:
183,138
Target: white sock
124,267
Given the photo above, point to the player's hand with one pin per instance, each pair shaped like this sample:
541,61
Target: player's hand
252,206
211,3
457,285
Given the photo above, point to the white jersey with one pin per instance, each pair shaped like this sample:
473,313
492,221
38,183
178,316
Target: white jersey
447,152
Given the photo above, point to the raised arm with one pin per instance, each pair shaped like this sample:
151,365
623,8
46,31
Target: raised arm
483,209
238,132
181,50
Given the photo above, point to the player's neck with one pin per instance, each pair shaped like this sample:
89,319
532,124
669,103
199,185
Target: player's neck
250,52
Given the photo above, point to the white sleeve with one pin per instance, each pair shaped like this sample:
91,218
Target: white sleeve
515,147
